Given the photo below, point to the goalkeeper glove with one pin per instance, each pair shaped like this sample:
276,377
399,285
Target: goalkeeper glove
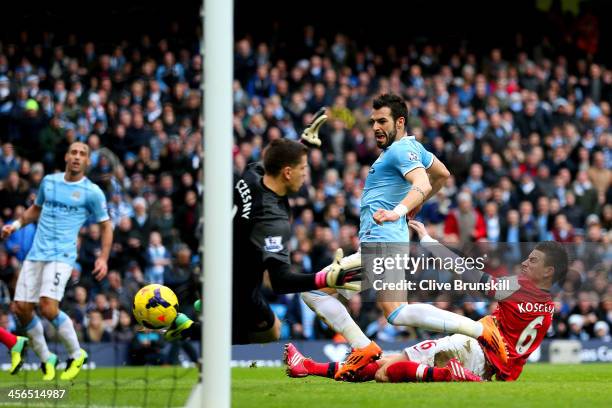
339,276
179,329
310,135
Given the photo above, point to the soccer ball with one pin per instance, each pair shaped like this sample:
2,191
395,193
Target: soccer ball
155,306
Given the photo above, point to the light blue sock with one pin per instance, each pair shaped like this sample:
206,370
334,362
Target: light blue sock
36,333
67,334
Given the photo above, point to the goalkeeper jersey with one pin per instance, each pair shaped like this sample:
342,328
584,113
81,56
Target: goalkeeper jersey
261,228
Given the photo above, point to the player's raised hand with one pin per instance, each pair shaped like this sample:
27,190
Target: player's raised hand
7,230
310,135
100,269
418,227
338,276
381,216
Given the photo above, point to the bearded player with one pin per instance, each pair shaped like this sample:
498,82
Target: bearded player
523,315
404,176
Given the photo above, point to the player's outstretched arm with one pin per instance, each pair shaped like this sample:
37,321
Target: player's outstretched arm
336,276
101,265
440,250
467,275
310,135
30,215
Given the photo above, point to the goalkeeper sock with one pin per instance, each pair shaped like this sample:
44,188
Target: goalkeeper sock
36,333
431,318
336,316
410,371
67,334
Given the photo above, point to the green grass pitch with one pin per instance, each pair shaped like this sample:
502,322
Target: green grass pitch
107,387
541,385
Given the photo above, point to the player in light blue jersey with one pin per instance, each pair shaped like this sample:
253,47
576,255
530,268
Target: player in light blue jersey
398,176
64,203
404,176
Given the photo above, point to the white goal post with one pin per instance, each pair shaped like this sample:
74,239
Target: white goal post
218,31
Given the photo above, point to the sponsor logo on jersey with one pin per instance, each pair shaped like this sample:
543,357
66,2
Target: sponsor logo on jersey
273,244
61,206
76,195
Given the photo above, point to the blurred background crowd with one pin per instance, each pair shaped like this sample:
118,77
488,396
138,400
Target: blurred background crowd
523,126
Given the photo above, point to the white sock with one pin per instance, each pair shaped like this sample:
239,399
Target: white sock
336,316
67,334
36,334
431,318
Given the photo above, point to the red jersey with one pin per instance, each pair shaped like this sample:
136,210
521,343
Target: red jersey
523,315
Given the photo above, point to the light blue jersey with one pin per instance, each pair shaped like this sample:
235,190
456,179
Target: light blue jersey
66,206
386,187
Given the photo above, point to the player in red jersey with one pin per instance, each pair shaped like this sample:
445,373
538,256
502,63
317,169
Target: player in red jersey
523,316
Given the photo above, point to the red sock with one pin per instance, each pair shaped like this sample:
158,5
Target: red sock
367,373
321,369
410,371
7,338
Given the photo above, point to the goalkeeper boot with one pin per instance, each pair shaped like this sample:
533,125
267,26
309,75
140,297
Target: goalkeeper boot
73,366
492,338
18,354
358,359
294,361
197,305
177,329
460,373
48,368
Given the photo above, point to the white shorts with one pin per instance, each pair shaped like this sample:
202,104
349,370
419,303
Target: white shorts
42,278
436,353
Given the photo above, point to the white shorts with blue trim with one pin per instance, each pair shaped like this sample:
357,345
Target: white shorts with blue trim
42,278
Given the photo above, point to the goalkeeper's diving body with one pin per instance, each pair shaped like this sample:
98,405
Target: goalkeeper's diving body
261,228
404,176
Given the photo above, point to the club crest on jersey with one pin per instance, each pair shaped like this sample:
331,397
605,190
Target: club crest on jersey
273,244
76,195
412,156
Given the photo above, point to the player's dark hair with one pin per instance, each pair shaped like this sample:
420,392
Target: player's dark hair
281,153
395,103
557,257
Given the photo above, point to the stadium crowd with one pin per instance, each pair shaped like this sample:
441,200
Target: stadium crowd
526,135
